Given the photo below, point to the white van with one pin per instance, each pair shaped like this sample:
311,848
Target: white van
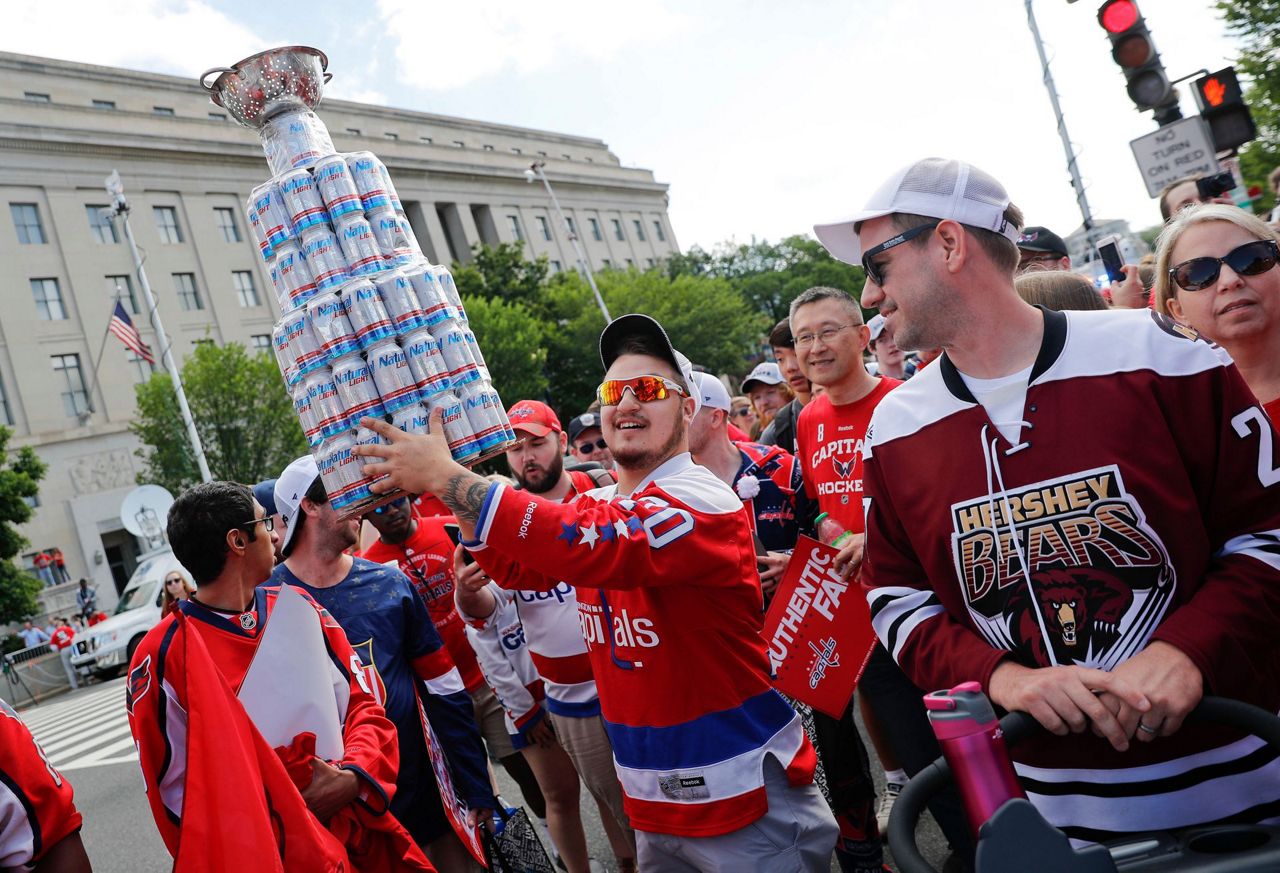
107,647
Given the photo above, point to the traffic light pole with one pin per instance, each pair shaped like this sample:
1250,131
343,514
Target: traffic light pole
1076,182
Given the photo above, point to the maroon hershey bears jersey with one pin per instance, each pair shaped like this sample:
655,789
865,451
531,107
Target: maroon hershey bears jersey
1142,504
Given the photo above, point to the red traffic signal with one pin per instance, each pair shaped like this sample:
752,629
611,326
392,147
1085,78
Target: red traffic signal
1133,49
1118,15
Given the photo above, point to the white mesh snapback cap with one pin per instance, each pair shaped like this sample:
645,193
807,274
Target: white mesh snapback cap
936,187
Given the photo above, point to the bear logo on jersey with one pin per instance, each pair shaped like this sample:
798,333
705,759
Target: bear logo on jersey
1063,571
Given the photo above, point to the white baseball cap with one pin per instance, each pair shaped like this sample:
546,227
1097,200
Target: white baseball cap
291,487
936,187
876,326
714,394
766,373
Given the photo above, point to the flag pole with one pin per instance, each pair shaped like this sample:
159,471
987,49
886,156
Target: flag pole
120,207
98,364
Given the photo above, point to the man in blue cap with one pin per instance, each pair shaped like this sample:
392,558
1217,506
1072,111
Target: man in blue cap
265,493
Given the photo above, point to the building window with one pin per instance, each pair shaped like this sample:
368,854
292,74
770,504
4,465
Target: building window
104,104
26,220
513,221
389,135
595,229
121,288
573,228
75,400
459,143
167,223
608,264
217,116
648,262
141,366
426,139
6,414
630,263
35,97
618,233
354,131
48,299
657,231
162,110
516,150
487,148
639,229
555,267
226,220
203,341
261,342
103,231
543,227
245,290
188,293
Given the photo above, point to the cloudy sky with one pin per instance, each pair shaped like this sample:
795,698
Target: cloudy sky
763,117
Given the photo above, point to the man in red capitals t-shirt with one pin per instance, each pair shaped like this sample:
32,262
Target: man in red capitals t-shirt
830,337
423,551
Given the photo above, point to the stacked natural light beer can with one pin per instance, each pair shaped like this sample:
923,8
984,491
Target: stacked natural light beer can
370,327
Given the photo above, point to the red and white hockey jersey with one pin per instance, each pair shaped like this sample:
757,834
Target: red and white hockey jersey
156,700
37,805
1142,503
669,604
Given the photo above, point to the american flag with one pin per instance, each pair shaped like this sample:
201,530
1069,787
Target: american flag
123,328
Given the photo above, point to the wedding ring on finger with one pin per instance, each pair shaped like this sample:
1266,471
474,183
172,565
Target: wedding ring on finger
1147,729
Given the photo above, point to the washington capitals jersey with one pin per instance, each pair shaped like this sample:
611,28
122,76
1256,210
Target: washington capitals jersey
503,653
1142,503
37,805
669,604
779,509
156,701
390,628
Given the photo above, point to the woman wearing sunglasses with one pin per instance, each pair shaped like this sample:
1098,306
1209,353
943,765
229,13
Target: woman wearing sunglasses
176,588
1216,272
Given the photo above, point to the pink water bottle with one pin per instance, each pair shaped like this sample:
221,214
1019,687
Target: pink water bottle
973,744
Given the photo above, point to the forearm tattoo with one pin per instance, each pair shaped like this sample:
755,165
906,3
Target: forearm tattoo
464,494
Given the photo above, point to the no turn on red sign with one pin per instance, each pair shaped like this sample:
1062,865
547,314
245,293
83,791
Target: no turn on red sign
1173,152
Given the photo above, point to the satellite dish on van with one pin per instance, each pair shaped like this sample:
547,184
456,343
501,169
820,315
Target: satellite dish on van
143,512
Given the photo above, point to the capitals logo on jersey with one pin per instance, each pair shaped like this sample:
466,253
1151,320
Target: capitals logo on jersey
1085,581
366,672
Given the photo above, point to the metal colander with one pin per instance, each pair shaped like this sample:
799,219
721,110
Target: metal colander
268,83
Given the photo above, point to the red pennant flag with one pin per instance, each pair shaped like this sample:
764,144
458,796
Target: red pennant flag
818,630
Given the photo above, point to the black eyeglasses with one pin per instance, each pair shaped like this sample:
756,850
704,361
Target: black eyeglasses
589,447
387,507
269,521
876,274
1250,259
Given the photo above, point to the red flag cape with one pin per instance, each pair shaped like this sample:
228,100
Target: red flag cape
241,812
818,630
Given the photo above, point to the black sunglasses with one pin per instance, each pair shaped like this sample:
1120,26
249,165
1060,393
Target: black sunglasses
1249,259
876,274
587,447
269,521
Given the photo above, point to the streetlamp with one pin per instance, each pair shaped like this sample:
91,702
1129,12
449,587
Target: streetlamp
535,172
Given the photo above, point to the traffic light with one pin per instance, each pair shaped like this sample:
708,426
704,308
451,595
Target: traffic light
1222,105
1133,50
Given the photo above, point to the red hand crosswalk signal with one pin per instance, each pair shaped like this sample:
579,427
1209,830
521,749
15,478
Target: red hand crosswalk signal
1133,49
1222,105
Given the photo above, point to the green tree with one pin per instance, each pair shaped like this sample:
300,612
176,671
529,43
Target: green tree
501,272
511,338
243,414
1256,23
20,476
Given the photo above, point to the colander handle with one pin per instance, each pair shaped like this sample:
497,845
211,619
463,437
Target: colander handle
209,72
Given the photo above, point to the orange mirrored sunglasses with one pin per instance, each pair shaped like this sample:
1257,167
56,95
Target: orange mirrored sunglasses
645,389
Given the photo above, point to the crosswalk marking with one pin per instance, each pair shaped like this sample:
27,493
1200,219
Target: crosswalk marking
89,728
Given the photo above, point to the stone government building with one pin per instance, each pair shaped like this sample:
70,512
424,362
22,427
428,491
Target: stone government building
187,170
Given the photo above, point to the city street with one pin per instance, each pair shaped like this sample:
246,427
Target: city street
86,736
